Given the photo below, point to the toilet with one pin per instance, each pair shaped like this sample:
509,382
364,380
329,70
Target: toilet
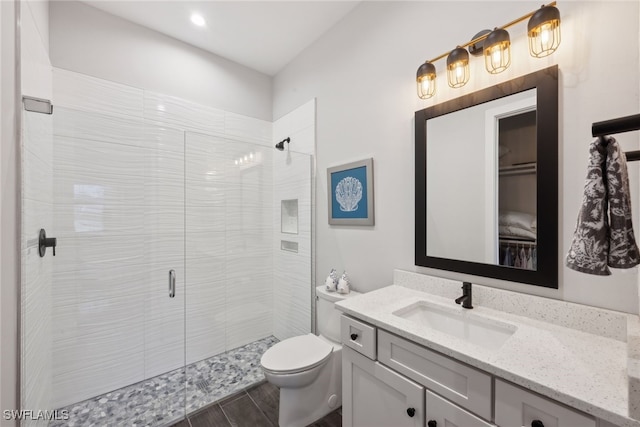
308,368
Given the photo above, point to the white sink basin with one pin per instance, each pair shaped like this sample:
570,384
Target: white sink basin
467,326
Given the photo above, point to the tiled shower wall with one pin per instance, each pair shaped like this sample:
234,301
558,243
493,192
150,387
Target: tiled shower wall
292,172
120,218
37,212
37,206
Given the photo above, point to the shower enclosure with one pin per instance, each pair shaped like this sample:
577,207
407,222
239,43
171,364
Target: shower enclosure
173,272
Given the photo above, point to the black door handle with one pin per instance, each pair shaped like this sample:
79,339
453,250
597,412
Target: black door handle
432,423
45,242
411,411
354,337
537,423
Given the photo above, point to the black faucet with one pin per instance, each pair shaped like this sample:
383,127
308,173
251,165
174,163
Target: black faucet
465,299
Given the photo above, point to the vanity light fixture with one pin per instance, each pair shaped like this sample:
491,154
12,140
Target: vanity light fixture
543,31
426,79
497,51
458,67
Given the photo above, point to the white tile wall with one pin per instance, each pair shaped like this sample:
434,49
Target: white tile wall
85,93
292,179
119,213
229,260
299,125
176,112
37,209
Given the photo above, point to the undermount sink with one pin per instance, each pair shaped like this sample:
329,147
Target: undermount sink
487,333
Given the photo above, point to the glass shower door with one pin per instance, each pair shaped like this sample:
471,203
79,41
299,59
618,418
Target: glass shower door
115,317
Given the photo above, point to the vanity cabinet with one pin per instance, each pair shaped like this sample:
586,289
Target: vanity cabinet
375,396
405,384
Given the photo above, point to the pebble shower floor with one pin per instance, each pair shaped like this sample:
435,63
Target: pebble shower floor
160,400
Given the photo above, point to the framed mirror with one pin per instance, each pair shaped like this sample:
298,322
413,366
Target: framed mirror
487,182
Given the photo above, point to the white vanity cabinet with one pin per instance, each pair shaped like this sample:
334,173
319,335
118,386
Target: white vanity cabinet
401,383
375,396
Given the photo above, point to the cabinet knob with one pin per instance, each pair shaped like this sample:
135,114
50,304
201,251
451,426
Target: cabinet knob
432,423
354,337
411,411
537,423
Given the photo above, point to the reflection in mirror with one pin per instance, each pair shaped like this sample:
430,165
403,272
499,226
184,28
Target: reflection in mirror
487,182
475,209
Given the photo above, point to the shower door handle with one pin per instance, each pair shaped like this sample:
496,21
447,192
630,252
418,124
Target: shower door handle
172,283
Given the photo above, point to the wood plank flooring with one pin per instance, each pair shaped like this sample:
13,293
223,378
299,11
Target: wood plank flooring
255,407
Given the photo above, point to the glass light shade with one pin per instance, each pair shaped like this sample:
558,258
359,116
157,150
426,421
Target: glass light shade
497,51
458,67
426,80
543,30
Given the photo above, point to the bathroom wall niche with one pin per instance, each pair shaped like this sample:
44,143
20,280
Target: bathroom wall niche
289,216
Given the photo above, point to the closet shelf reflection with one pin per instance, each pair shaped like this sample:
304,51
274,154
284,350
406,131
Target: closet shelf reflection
519,169
516,241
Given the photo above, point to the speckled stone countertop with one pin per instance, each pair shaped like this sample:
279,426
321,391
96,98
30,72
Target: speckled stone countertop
584,366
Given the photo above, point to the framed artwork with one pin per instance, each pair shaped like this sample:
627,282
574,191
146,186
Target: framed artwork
350,191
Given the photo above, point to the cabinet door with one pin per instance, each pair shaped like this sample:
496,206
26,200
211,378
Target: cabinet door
376,396
441,412
519,407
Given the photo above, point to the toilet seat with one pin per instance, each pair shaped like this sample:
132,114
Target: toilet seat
296,354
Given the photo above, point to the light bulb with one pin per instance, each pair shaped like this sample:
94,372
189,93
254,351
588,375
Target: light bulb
545,34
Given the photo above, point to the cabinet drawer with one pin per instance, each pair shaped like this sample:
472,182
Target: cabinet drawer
459,383
359,336
518,407
445,413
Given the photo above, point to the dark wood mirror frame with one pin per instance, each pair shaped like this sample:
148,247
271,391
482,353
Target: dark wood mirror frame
546,84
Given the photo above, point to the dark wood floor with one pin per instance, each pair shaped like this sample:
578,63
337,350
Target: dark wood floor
255,407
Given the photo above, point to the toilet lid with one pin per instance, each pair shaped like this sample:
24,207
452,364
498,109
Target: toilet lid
296,354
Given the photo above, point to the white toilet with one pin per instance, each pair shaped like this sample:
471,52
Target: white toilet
308,368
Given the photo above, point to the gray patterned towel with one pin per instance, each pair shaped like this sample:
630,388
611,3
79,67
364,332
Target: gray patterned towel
596,245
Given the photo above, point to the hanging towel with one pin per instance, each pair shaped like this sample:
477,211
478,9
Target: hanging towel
596,245
623,250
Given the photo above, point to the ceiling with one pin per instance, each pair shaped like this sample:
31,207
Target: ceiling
263,35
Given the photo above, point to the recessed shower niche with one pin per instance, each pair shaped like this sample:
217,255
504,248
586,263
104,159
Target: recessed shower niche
289,216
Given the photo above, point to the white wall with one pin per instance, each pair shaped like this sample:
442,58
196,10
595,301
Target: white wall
93,42
363,75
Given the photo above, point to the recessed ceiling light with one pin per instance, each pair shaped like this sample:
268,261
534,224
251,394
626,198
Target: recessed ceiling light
198,20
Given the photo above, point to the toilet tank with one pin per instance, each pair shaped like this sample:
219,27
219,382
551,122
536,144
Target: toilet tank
328,317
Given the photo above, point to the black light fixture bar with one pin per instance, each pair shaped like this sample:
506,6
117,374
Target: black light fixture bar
484,36
619,125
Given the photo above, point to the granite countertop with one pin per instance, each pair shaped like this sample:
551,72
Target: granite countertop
583,370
